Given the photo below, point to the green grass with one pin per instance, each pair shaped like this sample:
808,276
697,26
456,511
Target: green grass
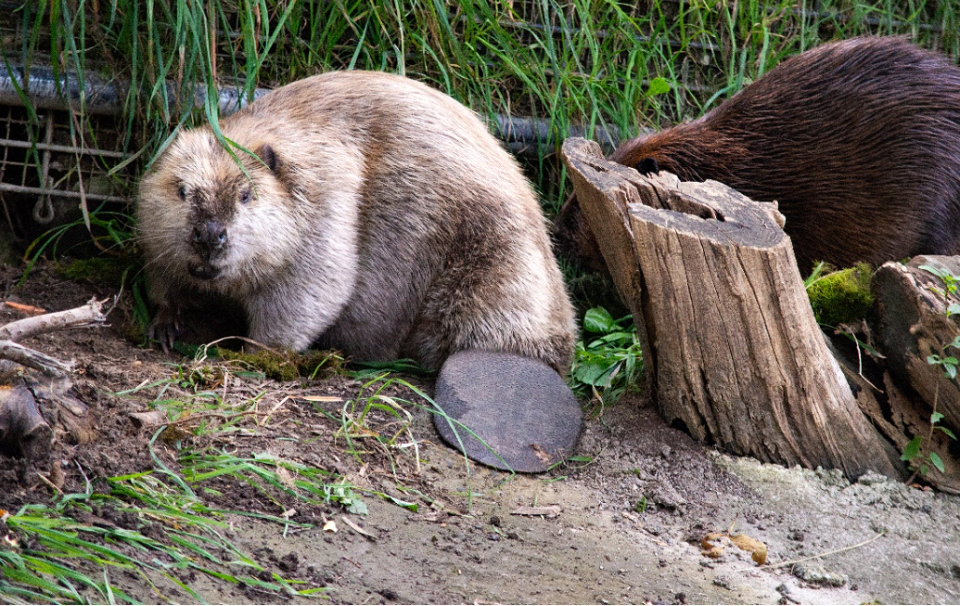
578,62
51,554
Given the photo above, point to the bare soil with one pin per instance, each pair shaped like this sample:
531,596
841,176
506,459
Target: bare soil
623,523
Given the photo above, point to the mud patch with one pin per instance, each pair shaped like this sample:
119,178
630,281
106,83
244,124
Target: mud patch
630,511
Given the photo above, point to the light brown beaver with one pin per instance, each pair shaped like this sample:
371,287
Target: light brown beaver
858,141
379,217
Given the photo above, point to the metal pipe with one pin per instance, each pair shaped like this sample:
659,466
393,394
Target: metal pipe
99,96
45,191
46,90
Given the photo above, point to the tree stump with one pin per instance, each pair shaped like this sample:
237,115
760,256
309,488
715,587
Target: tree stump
732,350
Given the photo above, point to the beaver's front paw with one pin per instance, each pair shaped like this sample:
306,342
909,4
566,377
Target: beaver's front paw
166,327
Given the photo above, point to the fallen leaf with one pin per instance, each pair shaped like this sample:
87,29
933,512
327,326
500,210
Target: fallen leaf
322,398
56,475
330,526
285,478
149,418
757,548
542,454
709,548
712,549
548,511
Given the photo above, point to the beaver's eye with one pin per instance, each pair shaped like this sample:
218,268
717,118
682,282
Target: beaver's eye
182,191
245,196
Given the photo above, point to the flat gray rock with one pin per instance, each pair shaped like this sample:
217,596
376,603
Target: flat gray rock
506,411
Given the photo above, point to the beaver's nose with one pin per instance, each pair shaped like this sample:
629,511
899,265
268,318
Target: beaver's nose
211,234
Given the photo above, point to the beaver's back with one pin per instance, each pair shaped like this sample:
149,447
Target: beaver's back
858,140
444,214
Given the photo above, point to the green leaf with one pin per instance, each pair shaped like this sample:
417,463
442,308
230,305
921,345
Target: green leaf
947,431
358,507
953,308
935,418
940,273
598,320
590,372
937,461
405,504
912,449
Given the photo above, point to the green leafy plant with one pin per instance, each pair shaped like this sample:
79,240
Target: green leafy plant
607,362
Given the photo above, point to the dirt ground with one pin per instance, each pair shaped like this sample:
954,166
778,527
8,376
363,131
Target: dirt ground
621,524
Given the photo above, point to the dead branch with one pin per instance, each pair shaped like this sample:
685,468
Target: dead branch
91,313
34,359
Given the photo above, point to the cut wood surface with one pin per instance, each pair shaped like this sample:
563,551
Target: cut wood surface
731,346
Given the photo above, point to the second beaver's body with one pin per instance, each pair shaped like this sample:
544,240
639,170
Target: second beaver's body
858,141
379,217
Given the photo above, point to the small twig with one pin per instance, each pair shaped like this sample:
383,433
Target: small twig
49,484
357,529
819,555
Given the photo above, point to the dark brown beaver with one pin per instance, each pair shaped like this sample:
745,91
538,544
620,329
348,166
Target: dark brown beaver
858,140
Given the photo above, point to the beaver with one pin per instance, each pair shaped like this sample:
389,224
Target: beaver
858,141
359,211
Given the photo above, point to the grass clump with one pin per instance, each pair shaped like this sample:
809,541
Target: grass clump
150,524
169,523
841,296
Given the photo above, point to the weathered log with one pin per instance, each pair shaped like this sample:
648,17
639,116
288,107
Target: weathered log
912,324
23,430
732,349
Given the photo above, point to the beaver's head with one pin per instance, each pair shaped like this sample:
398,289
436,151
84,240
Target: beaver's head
219,219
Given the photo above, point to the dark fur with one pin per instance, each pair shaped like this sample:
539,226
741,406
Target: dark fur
858,141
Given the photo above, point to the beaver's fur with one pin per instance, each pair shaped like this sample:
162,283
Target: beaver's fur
858,141
380,217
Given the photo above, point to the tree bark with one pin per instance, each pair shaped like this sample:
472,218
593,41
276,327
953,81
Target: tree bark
732,350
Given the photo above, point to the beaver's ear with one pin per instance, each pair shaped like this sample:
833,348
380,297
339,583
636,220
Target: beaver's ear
647,166
268,156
